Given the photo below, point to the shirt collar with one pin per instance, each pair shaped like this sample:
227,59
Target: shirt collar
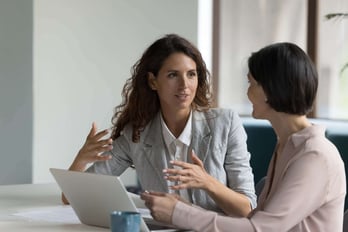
185,136
299,137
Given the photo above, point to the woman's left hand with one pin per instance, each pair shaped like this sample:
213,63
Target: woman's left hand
190,175
161,205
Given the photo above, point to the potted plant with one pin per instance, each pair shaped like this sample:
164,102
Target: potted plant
338,16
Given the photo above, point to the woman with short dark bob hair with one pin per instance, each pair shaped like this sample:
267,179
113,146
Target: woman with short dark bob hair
278,77
305,185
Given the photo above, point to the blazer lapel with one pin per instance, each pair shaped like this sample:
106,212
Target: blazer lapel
155,150
201,135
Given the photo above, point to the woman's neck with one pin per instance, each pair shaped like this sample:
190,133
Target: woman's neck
176,122
285,125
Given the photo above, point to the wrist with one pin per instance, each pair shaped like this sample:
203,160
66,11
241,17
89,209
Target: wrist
78,166
211,185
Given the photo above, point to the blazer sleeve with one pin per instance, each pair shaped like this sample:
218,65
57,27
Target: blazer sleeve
237,161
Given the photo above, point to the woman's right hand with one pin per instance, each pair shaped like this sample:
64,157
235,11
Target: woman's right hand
92,150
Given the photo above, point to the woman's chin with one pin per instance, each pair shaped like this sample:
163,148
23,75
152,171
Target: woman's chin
256,115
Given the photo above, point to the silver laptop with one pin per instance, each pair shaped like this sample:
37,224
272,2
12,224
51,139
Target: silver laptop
93,197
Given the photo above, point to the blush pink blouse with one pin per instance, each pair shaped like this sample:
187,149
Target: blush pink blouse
307,192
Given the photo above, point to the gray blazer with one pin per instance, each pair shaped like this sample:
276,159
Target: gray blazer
219,140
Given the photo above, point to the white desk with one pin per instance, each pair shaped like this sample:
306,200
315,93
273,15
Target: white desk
15,199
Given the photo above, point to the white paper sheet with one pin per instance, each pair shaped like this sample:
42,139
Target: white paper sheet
62,214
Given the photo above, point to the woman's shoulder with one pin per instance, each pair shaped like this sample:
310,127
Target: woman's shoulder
313,142
149,132
221,113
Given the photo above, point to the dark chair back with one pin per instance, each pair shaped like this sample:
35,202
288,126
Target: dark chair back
261,142
345,221
341,142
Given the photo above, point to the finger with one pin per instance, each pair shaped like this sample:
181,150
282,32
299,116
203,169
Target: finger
105,142
196,160
149,197
101,134
148,204
100,144
96,150
153,215
177,178
180,186
102,157
145,195
158,194
92,131
172,171
181,164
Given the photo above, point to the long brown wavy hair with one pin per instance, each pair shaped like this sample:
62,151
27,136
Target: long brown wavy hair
140,103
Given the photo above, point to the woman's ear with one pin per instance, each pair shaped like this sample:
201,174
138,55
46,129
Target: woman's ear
151,80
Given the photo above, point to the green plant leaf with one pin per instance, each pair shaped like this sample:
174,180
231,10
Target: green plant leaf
344,68
336,15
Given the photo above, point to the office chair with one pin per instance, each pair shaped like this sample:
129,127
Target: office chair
345,221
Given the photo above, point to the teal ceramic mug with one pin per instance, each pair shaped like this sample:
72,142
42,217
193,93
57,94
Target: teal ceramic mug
124,221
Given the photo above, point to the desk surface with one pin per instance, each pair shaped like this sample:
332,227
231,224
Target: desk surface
15,199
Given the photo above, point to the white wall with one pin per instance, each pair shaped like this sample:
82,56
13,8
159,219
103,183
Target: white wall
245,27
83,52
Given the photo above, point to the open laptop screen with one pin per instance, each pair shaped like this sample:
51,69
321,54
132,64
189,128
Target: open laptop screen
93,197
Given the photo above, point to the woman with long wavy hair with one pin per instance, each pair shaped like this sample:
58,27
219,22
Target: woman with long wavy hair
165,119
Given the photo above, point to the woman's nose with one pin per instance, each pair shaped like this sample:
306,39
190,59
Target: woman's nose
183,81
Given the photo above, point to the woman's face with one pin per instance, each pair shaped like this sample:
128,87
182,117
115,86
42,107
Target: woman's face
258,99
176,83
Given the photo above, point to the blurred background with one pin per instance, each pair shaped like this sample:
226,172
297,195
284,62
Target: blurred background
63,64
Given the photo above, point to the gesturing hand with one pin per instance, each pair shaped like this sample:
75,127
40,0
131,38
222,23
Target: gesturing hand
92,149
189,176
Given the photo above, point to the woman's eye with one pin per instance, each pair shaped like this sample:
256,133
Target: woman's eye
192,74
172,75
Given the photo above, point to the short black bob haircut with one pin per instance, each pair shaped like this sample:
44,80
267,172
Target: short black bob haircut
287,76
